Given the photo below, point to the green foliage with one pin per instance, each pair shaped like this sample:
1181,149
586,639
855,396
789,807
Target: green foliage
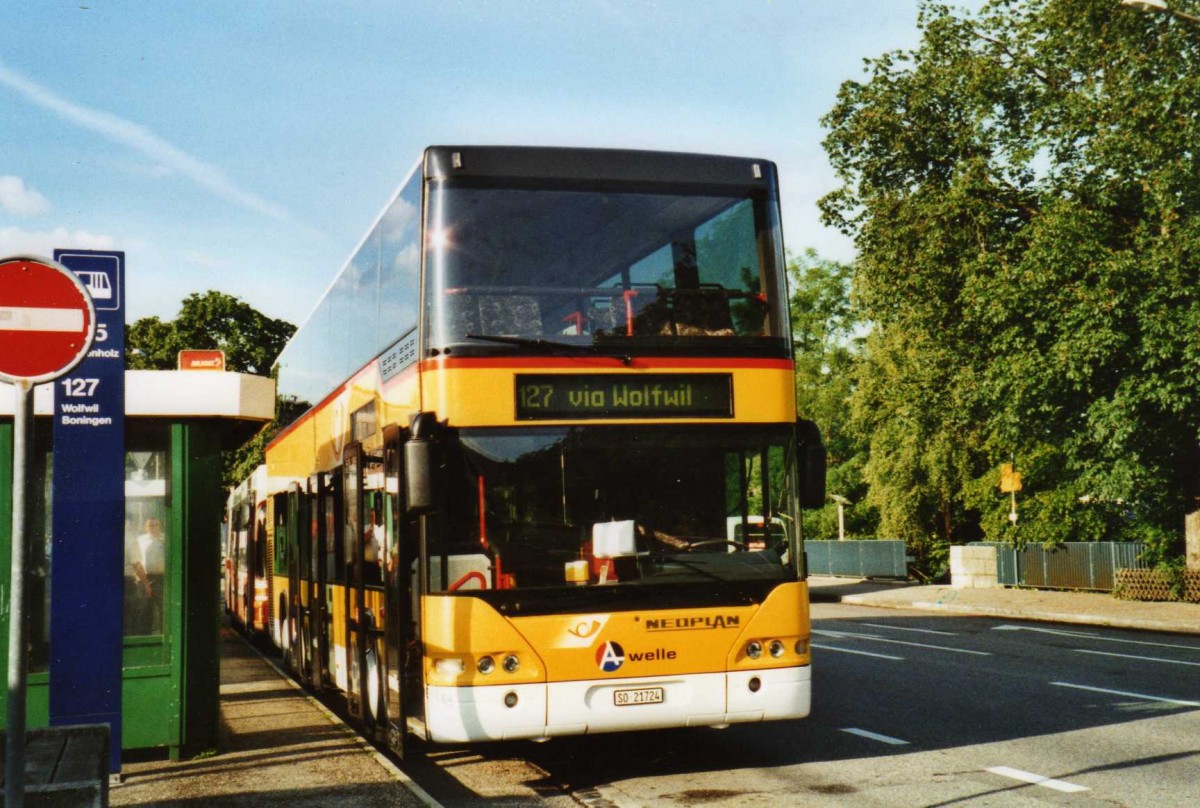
215,321
1022,189
828,340
1175,571
209,321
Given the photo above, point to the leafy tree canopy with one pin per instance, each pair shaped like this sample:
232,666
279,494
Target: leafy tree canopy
214,321
829,340
1023,192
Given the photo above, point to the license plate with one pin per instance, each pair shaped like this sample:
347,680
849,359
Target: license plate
644,695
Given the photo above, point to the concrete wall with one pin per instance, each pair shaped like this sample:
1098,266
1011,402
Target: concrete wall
973,567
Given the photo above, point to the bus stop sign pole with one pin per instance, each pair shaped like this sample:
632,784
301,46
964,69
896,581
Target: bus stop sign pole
47,325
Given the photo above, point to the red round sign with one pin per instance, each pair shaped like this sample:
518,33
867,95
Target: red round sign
47,320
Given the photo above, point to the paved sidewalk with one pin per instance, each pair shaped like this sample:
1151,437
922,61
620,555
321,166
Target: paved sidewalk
278,747
1089,608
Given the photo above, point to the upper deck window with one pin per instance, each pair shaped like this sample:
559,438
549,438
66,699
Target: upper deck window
597,268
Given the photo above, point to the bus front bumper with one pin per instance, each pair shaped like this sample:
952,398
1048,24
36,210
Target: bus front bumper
464,714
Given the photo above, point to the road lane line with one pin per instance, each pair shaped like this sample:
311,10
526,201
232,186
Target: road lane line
874,736
875,638
916,630
1142,658
860,653
1096,637
1037,779
1180,702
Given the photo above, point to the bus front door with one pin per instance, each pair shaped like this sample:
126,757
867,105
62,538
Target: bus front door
328,561
297,519
352,544
398,631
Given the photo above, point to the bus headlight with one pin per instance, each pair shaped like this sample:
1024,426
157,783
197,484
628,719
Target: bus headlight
754,649
511,663
486,665
776,648
802,647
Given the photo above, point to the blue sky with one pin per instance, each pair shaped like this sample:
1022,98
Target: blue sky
248,146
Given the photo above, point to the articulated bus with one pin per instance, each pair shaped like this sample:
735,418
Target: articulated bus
246,584
545,474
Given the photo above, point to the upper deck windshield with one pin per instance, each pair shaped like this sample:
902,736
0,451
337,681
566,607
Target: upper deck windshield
564,514
552,268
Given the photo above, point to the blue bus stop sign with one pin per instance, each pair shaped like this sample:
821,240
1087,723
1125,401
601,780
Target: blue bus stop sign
87,566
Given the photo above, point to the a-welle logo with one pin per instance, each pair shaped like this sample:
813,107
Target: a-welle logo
611,656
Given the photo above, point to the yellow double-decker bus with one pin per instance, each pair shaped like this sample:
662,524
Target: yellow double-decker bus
546,472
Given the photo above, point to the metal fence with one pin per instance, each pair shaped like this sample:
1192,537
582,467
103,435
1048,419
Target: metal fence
1071,565
867,558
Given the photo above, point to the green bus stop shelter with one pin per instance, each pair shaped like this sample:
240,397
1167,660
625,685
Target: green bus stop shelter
177,423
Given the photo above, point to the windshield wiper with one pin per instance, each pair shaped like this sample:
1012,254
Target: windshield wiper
550,345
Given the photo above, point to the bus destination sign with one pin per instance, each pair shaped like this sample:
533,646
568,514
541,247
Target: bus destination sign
610,395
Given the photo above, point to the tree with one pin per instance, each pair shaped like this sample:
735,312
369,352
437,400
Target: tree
1022,189
214,320
828,338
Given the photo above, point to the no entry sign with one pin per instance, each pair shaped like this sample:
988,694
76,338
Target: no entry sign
47,320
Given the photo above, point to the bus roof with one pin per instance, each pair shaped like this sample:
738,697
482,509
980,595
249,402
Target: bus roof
536,163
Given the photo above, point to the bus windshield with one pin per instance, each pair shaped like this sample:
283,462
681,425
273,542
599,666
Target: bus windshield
575,507
589,269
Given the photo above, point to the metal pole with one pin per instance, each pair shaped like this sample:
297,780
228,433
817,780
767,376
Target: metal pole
14,748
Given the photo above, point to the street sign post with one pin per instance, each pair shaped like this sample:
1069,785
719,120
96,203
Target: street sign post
88,513
47,324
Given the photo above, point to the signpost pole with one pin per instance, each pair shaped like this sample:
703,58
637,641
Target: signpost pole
14,747
47,325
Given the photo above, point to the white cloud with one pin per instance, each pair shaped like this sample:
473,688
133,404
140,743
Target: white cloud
15,241
142,140
16,198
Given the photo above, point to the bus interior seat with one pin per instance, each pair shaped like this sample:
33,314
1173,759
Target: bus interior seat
510,315
702,313
653,319
462,315
606,319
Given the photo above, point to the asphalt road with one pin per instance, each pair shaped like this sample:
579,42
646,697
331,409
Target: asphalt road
908,710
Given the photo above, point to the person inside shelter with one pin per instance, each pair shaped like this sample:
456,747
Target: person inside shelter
145,562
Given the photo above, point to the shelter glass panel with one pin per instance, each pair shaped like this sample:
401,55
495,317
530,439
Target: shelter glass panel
147,512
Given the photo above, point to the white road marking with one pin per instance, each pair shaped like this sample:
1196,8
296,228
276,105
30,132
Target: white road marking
860,653
1143,658
1180,702
915,630
874,638
1037,779
1096,637
874,736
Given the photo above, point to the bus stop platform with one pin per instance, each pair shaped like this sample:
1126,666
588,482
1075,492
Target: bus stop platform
278,746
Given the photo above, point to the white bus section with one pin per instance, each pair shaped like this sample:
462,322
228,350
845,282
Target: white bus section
462,714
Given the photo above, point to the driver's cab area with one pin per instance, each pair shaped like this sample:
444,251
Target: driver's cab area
566,509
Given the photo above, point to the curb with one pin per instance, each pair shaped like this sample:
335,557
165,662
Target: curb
383,760
1107,621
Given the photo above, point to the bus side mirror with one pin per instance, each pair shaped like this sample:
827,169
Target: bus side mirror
810,460
418,463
